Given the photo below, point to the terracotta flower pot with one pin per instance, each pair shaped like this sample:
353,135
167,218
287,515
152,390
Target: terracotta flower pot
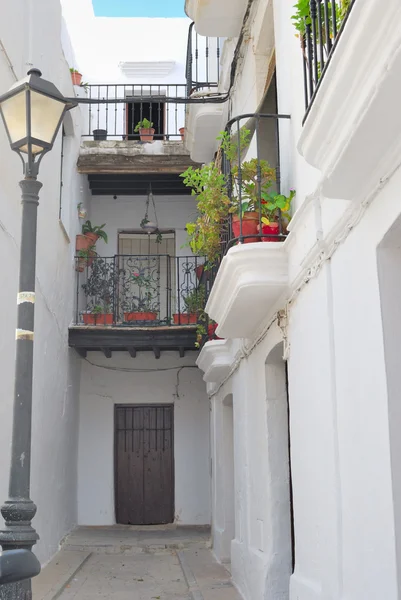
146,135
97,318
84,242
272,229
250,224
211,331
185,319
199,271
93,237
182,133
76,78
85,262
140,316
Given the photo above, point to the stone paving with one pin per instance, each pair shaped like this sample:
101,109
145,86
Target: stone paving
131,563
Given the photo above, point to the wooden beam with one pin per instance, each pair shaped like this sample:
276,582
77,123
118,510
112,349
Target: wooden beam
132,351
107,352
156,350
182,352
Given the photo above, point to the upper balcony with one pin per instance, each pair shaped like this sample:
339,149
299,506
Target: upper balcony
352,70
142,302
218,18
253,273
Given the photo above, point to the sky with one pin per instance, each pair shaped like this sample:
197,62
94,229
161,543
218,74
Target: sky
139,8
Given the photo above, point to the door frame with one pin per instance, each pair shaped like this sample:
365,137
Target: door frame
115,457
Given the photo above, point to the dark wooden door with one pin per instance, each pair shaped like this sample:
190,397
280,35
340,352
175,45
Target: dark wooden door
144,464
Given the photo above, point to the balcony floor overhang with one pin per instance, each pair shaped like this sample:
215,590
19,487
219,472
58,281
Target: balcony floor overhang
130,157
137,184
132,340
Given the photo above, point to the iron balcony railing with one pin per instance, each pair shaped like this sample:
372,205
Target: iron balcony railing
114,111
203,61
252,172
323,26
143,291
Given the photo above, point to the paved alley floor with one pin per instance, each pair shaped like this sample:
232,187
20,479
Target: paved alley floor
135,563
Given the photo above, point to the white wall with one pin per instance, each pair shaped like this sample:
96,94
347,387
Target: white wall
56,368
126,212
123,380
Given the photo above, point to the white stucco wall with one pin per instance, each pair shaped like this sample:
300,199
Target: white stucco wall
143,380
56,368
127,212
343,367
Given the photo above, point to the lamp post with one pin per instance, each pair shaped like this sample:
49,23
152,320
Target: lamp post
32,112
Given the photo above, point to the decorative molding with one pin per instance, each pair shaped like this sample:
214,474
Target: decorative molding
147,68
251,280
215,360
217,18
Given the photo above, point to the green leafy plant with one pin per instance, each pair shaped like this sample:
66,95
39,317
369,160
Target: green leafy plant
251,190
209,185
302,15
74,70
233,148
144,124
101,285
84,85
140,293
87,227
195,300
276,205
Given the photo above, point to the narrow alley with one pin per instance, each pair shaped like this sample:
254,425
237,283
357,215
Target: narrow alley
124,562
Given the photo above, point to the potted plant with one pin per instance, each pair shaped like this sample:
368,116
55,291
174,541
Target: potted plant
94,232
204,234
140,297
89,236
275,207
85,258
194,302
98,315
100,135
246,195
182,133
146,131
100,290
76,77
206,330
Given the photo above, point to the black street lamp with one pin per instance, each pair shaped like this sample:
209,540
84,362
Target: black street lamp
32,111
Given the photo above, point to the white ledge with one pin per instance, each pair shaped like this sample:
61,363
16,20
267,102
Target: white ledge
250,281
204,122
215,360
217,18
352,131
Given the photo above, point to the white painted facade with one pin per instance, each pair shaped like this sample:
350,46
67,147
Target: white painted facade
144,380
25,42
304,465
327,304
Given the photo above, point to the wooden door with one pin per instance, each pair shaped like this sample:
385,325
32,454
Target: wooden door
144,464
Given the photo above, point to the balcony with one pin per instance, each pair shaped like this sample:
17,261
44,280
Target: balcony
140,303
111,140
203,120
218,18
253,274
353,119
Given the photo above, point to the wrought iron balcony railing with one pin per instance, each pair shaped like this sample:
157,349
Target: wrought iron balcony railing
322,28
114,111
251,166
143,291
203,61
